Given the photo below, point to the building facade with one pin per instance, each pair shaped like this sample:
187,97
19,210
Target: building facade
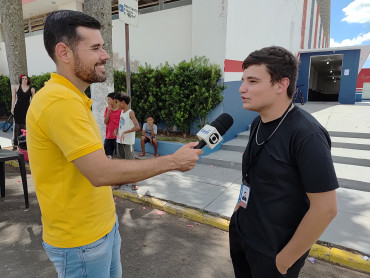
225,31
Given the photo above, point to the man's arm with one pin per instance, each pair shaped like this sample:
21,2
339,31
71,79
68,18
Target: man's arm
323,209
101,171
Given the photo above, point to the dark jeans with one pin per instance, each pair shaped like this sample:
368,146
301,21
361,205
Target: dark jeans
110,146
250,263
16,132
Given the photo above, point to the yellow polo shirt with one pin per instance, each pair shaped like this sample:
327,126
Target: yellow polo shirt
60,129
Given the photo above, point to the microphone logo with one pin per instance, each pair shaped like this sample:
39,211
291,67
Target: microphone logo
214,138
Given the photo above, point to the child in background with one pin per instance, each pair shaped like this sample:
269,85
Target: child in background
125,132
149,134
111,120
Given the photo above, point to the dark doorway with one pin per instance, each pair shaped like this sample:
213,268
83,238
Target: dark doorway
325,75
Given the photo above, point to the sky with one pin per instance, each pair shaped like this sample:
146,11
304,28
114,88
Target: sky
350,24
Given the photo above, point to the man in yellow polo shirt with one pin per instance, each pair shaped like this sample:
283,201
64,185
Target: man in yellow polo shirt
72,175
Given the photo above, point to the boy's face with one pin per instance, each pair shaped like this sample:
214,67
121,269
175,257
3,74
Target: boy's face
121,104
150,120
110,101
256,90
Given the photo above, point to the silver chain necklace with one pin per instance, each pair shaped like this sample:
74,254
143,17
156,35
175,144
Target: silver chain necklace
263,142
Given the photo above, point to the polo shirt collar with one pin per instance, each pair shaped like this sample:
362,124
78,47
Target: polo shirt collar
56,78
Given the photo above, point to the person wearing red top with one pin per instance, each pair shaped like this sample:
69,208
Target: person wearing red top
111,120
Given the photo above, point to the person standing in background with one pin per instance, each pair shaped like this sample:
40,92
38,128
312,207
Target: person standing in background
125,132
21,98
111,120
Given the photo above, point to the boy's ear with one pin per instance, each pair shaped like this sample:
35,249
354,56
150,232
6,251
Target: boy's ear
283,85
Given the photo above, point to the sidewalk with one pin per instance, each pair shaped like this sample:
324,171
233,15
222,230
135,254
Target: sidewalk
154,244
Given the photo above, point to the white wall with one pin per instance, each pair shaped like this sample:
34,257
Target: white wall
3,61
209,29
171,36
310,7
253,24
160,36
38,60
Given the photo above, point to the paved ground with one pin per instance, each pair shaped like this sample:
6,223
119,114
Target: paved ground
155,244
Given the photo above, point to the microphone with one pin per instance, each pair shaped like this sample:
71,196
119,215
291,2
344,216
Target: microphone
210,135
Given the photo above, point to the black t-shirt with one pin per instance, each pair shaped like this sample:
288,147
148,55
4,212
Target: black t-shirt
295,160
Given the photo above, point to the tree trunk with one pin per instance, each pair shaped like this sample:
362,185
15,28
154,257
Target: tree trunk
102,11
13,33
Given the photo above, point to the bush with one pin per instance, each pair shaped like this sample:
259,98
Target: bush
178,95
5,95
39,80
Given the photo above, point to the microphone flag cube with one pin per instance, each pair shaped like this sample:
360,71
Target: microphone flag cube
210,136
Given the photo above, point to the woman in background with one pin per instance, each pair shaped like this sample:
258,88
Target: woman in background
21,97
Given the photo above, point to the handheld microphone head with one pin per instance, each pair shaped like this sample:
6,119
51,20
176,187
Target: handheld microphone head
223,123
211,135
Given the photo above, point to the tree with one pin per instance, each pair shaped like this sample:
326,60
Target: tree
13,32
102,11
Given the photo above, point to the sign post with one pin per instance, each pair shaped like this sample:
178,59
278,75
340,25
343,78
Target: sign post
128,13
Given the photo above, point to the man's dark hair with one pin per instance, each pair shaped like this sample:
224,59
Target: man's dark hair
121,97
279,62
111,95
60,26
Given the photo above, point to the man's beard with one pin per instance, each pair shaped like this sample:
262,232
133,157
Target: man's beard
86,74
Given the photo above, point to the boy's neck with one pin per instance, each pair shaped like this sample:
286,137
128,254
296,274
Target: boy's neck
125,109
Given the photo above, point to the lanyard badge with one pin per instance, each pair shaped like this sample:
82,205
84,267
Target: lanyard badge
244,193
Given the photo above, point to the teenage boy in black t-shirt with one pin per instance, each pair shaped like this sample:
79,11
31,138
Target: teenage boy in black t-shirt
288,174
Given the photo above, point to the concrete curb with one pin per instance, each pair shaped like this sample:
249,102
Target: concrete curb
329,254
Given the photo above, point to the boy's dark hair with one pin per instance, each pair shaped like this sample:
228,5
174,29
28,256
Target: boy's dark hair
149,116
126,99
121,97
28,79
118,96
60,26
279,62
111,95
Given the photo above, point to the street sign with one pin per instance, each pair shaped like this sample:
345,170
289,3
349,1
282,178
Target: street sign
128,11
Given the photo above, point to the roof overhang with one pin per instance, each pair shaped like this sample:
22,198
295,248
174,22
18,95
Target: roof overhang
364,52
325,15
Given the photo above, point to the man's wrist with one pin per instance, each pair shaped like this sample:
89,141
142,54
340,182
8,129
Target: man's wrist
172,162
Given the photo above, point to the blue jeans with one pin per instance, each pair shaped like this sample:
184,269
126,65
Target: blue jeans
98,259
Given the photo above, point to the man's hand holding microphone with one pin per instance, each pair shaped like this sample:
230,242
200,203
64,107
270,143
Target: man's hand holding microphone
210,136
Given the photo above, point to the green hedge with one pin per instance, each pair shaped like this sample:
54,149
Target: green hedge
178,95
5,95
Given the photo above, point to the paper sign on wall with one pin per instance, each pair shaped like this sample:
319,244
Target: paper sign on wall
346,72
